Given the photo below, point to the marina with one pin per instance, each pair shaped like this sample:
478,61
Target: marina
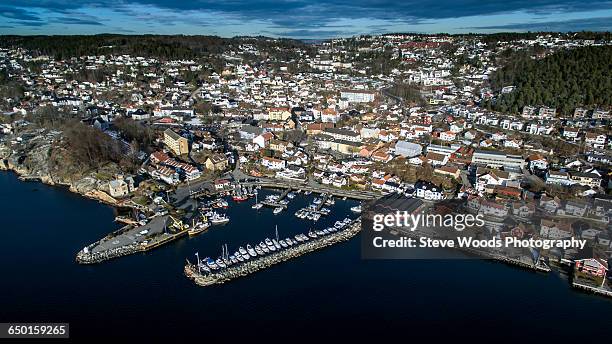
211,212
152,285
209,271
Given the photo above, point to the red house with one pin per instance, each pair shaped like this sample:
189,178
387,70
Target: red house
593,266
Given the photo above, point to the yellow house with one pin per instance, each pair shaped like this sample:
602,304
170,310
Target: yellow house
175,142
216,162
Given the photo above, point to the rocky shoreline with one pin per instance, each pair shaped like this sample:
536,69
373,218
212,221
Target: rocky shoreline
32,164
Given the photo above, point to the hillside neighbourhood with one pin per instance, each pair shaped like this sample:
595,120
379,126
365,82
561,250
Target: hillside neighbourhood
411,114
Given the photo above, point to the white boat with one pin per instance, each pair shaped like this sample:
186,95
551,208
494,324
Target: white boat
277,210
290,195
198,228
356,209
257,206
251,251
217,219
276,244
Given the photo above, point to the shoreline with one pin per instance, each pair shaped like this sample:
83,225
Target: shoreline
94,194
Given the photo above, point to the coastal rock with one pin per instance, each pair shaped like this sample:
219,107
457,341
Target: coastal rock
84,185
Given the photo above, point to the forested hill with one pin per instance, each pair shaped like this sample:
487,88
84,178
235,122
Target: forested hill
565,80
159,46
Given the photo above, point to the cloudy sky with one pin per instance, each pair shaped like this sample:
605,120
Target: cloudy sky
300,18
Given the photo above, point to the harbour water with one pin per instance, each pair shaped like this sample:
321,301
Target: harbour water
328,293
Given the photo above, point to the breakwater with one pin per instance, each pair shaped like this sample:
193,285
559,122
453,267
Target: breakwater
260,263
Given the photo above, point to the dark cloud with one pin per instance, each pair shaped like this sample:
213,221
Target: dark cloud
320,10
17,13
295,16
305,33
76,21
591,24
20,16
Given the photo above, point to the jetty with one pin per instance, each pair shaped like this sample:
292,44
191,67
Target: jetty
592,289
129,240
193,272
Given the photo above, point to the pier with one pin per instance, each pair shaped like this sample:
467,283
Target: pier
126,241
260,263
538,266
592,289
276,184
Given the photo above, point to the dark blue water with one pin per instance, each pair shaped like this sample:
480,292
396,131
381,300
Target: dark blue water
328,294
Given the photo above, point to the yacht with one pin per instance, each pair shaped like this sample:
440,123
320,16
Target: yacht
211,263
356,209
277,210
257,206
290,195
276,244
270,245
251,251
283,243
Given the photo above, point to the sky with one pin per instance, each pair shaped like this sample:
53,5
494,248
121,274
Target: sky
301,19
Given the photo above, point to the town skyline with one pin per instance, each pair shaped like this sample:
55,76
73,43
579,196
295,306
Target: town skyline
300,19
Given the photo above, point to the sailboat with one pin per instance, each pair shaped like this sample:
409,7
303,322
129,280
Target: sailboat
256,205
